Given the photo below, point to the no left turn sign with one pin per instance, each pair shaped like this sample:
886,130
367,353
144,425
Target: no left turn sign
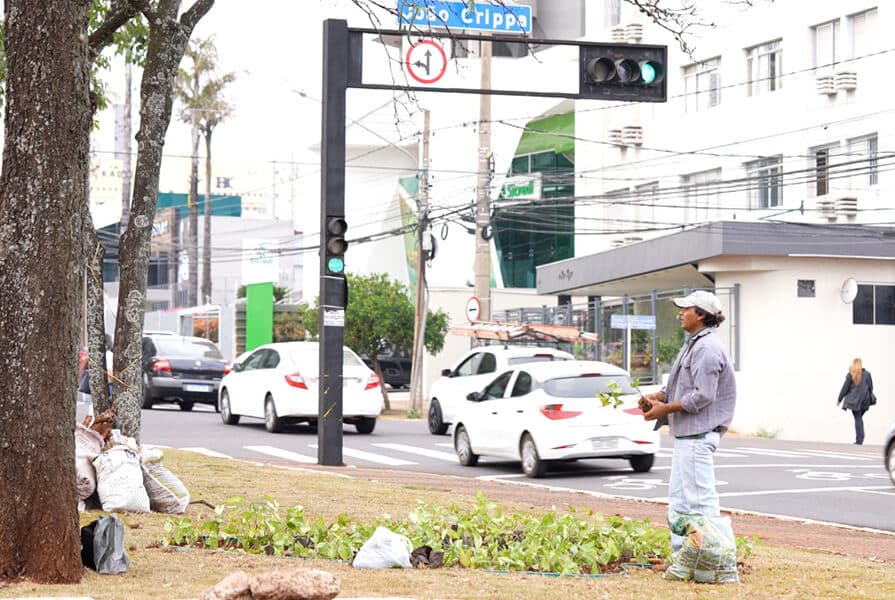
473,309
426,61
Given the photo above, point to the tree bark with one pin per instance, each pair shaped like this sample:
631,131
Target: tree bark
168,38
377,368
95,316
43,187
206,235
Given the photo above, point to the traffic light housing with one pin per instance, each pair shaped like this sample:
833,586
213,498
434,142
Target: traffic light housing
335,245
623,72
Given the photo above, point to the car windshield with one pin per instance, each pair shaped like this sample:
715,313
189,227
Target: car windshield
586,386
188,348
308,358
543,357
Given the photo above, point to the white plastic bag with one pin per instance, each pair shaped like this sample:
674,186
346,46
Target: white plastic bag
709,552
167,494
384,550
119,481
88,445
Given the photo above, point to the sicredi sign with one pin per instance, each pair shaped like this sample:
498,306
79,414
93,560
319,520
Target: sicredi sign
428,14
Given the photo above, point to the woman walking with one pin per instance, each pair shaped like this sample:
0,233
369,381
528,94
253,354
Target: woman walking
857,395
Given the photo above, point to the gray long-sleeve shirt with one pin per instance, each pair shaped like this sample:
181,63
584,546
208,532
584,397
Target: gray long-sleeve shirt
702,380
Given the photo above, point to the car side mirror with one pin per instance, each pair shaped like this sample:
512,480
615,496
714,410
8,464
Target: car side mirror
474,396
237,367
446,372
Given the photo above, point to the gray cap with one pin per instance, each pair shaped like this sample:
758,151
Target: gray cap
707,301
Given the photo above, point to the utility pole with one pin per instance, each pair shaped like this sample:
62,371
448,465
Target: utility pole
483,191
419,324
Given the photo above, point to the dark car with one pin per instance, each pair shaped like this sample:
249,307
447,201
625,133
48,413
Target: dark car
395,370
181,369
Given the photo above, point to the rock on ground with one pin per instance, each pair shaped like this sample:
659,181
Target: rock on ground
279,584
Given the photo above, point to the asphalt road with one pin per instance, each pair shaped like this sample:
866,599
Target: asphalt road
834,483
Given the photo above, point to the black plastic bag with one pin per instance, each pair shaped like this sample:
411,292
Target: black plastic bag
102,546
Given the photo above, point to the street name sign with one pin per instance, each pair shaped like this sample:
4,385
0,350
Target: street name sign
632,322
501,18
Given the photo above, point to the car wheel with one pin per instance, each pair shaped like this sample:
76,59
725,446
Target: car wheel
464,449
272,422
147,399
532,465
890,461
436,423
642,463
226,416
186,405
366,425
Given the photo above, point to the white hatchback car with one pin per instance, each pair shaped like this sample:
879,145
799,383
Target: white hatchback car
470,374
540,412
278,383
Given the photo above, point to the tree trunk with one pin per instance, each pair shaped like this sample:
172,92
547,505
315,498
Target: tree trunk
206,237
95,316
192,249
377,368
167,41
43,186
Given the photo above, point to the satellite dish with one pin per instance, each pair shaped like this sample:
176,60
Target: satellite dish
849,290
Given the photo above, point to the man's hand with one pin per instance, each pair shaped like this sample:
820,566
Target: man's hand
657,411
644,404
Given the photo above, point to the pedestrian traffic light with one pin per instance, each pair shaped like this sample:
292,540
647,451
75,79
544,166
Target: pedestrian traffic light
623,72
335,245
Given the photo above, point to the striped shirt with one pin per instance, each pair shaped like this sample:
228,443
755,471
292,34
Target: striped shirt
702,380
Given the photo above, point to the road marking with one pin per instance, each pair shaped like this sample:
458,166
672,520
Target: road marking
778,453
374,458
205,451
827,454
446,456
280,453
445,444
850,488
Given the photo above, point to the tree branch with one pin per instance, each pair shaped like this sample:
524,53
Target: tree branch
195,13
145,7
120,12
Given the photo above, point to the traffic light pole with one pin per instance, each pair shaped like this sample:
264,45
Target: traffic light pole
331,323
621,72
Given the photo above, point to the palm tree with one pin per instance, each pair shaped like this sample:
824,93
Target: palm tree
204,108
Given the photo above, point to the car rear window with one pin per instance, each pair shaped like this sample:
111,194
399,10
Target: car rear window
544,357
586,386
188,348
308,358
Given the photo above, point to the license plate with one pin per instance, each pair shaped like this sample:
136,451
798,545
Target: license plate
196,387
609,443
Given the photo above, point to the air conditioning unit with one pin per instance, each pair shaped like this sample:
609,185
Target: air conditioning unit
827,208
846,80
632,135
633,33
825,85
615,137
618,33
846,206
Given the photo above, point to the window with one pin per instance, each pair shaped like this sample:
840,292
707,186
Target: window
645,196
522,385
702,85
470,366
498,387
701,195
612,13
826,44
765,182
822,170
874,305
805,288
488,364
862,30
764,65
865,151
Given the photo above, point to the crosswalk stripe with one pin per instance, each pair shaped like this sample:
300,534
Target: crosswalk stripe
778,453
371,457
828,454
446,456
204,451
445,444
280,453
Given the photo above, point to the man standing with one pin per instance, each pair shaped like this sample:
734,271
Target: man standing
699,400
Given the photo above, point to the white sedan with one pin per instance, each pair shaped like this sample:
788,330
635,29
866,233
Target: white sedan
544,412
473,371
278,383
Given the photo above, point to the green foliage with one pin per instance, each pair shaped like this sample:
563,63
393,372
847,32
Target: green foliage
288,326
574,542
379,317
668,349
615,392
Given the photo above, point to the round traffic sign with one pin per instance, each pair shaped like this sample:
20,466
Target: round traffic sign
426,61
473,309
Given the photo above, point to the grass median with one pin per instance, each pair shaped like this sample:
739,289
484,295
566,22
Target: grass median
160,571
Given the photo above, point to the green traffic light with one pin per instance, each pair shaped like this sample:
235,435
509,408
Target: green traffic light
647,72
335,264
